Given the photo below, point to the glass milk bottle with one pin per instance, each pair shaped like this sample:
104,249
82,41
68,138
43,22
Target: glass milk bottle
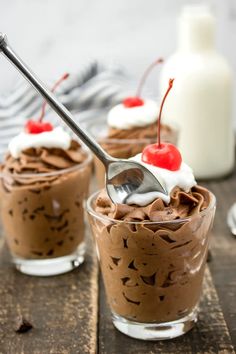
201,99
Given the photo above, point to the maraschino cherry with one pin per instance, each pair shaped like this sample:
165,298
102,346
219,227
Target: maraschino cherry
38,126
162,155
136,101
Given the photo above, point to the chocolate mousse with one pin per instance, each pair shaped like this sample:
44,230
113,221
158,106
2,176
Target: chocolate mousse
153,269
42,192
153,249
140,136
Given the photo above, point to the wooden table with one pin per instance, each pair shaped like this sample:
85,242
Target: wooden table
70,314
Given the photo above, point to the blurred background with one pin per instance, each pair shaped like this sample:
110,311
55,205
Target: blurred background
55,36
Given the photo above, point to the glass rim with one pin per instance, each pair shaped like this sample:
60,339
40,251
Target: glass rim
102,217
77,166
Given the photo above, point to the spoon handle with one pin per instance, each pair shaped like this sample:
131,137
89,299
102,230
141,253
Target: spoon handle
59,108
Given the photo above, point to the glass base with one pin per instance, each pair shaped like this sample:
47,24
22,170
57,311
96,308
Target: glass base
155,331
50,266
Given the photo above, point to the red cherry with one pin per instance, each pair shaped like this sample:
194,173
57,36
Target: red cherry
36,127
131,102
164,155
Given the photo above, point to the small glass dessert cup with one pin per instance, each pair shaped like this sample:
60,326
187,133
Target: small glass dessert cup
43,218
153,271
124,148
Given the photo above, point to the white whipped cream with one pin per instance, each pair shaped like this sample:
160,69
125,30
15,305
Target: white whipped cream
182,178
122,117
57,138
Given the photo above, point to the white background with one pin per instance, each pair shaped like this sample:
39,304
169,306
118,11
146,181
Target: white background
54,36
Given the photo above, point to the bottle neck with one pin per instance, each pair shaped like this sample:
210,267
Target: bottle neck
196,30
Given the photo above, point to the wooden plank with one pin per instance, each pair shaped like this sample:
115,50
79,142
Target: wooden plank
210,335
63,310
224,270
223,265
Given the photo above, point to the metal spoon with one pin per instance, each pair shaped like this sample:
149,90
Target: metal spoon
123,177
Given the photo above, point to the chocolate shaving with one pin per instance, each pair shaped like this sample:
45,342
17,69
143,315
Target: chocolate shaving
22,325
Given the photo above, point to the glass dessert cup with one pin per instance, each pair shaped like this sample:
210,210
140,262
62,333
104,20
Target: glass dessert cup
152,271
123,148
43,218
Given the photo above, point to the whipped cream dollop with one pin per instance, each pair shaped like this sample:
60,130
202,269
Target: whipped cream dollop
57,138
122,117
182,178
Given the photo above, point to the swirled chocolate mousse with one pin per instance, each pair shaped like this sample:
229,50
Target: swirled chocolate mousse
153,249
118,142
44,180
181,206
153,256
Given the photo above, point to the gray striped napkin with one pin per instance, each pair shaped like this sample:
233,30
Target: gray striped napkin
96,86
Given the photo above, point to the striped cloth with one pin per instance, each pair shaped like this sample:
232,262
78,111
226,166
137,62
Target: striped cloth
95,87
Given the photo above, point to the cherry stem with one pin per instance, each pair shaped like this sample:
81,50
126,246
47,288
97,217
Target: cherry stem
145,75
64,77
160,112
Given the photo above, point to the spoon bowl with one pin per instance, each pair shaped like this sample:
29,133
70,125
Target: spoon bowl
125,178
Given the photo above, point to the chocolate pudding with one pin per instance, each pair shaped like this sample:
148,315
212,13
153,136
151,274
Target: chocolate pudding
42,193
127,150
153,257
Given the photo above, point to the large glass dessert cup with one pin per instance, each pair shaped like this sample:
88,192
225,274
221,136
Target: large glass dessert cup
43,218
124,144
152,271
